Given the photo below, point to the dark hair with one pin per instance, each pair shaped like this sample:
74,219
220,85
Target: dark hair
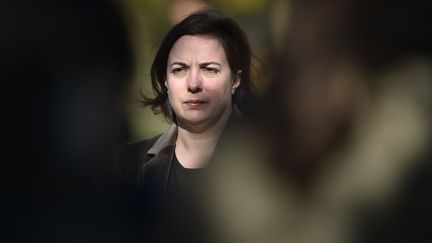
230,36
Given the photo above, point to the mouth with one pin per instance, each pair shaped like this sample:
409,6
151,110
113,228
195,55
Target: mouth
194,103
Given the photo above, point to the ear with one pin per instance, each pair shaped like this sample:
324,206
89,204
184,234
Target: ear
166,85
236,81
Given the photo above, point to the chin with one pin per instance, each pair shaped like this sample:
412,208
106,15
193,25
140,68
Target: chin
195,120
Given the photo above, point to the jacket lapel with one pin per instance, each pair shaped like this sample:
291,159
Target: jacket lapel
157,170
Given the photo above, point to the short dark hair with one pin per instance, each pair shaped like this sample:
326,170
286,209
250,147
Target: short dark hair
237,49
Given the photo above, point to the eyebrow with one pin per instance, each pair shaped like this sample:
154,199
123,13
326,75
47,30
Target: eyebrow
204,64
179,63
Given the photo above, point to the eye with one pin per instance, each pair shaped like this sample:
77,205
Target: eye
178,70
210,70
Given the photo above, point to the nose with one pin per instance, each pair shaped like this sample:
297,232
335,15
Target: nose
194,83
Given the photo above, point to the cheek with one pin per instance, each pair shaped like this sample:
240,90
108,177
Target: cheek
173,88
221,92
222,88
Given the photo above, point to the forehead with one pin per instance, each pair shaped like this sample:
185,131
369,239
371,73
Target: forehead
198,47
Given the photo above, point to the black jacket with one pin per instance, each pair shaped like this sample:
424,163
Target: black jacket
146,164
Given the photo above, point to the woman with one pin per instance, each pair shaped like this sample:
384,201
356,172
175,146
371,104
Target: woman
201,80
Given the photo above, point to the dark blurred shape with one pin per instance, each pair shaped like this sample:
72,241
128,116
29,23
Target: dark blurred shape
65,69
334,52
342,61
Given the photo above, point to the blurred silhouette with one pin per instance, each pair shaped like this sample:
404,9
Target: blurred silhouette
65,67
341,152
335,59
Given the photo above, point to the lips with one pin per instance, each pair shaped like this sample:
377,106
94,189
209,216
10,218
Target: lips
194,103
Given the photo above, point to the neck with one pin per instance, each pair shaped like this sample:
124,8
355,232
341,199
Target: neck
195,144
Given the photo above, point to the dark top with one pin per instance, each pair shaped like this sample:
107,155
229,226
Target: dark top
182,180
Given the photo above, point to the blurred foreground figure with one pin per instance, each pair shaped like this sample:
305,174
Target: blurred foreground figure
342,150
66,67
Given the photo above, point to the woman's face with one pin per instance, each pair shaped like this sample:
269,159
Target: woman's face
199,81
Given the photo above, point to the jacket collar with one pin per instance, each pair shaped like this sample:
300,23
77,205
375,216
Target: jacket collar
156,172
168,138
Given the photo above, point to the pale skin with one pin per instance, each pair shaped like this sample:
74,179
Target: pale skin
200,85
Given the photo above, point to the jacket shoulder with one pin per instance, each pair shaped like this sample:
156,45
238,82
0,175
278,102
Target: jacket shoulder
132,156
138,149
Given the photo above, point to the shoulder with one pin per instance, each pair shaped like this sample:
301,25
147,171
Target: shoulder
134,156
155,143
141,145
137,151
131,157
